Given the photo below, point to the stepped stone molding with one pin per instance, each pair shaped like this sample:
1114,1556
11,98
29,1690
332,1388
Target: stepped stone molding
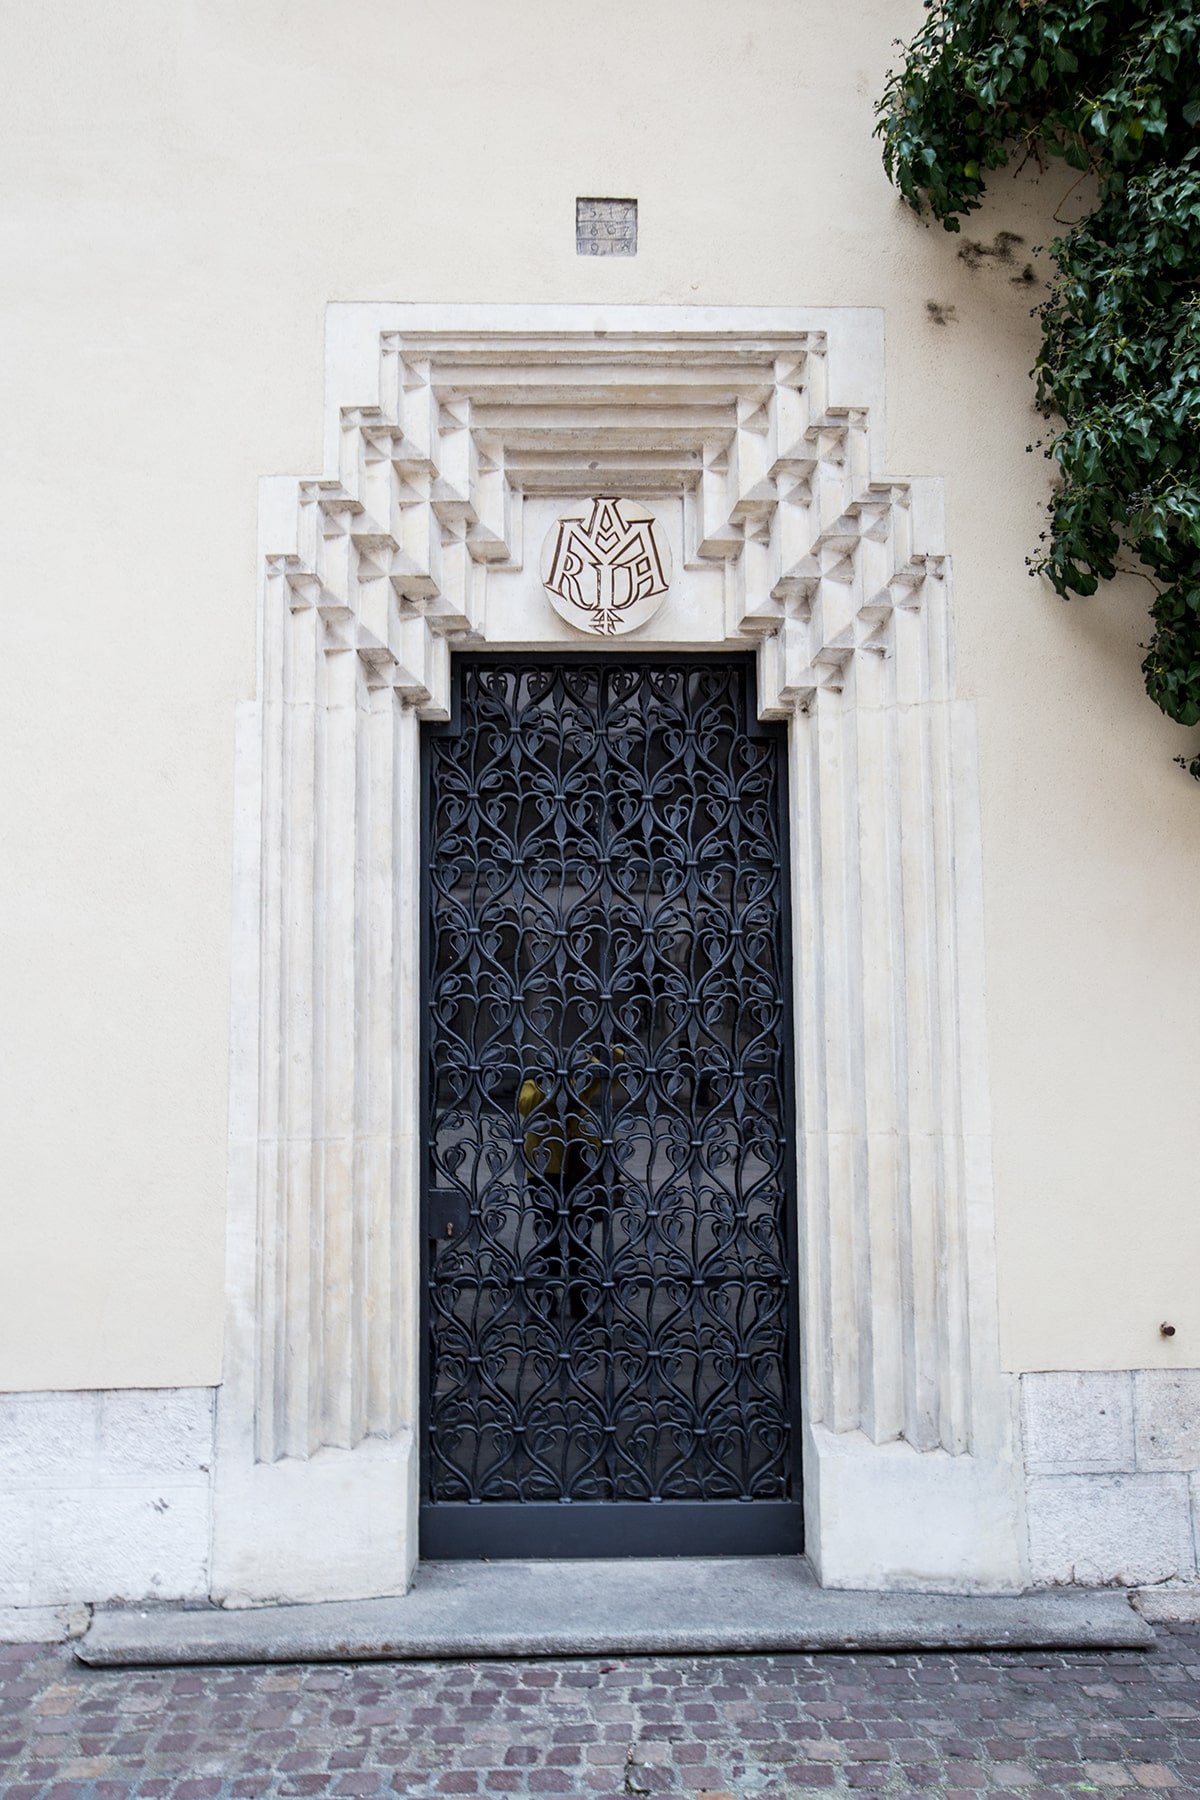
455,436
773,478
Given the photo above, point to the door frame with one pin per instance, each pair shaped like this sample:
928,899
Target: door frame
790,539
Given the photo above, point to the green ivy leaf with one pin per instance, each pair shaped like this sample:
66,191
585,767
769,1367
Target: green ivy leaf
1109,87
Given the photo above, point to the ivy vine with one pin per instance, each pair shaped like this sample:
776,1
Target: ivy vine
1113,88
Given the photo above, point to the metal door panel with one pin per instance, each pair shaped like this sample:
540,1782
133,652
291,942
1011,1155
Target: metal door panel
609,1287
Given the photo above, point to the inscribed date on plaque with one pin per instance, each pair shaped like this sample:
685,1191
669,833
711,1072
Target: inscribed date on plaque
606,227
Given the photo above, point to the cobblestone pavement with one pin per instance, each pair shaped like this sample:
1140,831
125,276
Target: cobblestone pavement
714,1727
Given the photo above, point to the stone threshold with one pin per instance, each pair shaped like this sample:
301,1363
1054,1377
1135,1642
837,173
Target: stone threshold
688,1606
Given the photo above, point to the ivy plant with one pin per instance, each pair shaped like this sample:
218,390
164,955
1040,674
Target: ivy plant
1112,87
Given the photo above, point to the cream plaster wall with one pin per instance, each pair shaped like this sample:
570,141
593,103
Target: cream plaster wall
185,189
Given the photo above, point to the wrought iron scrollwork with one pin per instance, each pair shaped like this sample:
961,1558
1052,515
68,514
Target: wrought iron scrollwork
606,1088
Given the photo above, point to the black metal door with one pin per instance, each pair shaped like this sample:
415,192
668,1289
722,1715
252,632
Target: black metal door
609,1331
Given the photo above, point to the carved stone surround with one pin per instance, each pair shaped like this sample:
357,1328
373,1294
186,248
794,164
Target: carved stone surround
455,436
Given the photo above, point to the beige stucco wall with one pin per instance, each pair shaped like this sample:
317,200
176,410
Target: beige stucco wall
185,189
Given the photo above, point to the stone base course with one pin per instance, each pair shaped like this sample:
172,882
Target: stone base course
103,1496
42,1624
1036,1724
1093,1530
1169,1605
106,1496
1112,1461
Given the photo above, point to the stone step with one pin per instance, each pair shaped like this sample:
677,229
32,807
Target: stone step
688,1606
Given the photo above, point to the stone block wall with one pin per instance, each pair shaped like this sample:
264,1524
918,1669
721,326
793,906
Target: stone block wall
1112,1462
104,1496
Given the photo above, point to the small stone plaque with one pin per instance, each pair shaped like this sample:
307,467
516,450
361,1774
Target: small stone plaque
606,227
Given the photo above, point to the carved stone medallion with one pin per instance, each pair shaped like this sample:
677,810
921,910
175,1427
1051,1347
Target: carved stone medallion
606,570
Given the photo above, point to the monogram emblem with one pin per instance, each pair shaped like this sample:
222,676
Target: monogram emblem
606,571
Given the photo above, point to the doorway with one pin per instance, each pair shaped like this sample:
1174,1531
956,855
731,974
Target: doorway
609,1332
